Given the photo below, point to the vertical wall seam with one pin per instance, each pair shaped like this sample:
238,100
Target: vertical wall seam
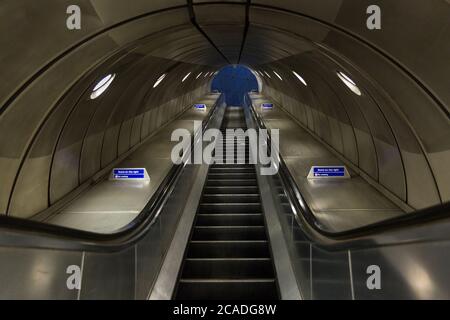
351,274
82,272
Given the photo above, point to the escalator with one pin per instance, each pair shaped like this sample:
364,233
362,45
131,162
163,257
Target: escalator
217,232
228,255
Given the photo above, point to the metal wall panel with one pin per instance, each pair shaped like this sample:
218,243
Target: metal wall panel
373,127
422,47
92,141
136,130
109,276
33,178
36,274
66,161
401,98
60,75
20,122
416,271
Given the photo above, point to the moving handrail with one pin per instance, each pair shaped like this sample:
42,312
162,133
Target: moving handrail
375,234
28,233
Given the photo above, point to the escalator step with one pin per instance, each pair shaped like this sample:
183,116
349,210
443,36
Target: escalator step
231,189
230,197
233,166
254,207
215,233
231,170
214,289
228,249
223,268
228,255
231,182
231,175
230,219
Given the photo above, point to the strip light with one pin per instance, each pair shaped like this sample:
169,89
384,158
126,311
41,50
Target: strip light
299,77
102,85
160,79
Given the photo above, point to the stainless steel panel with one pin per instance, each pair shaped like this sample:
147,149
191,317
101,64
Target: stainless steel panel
330,275
36,274
416,271
109,276
149,257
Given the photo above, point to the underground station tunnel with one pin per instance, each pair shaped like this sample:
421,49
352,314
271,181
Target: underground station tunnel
226,150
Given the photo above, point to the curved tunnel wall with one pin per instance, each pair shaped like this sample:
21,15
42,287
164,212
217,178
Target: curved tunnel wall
395,133
53,139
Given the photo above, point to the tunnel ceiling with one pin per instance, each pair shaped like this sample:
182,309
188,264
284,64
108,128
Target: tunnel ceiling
250,32
49,71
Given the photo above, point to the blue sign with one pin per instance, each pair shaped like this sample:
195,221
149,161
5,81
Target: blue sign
329,171
126,174
200,106
267,105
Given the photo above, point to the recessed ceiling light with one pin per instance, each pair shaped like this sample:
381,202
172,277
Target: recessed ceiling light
186,76
198,76
349,83
161,78
102,85
267,75
278,75
299,77
347,78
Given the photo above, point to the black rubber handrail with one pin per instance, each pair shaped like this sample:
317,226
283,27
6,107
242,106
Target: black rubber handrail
53,236
305,215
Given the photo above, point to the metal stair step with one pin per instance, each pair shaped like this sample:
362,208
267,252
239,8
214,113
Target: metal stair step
230,219
228,268
253,207
215,233
214,289
228,249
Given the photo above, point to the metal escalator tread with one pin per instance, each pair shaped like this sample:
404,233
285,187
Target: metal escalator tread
228,255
